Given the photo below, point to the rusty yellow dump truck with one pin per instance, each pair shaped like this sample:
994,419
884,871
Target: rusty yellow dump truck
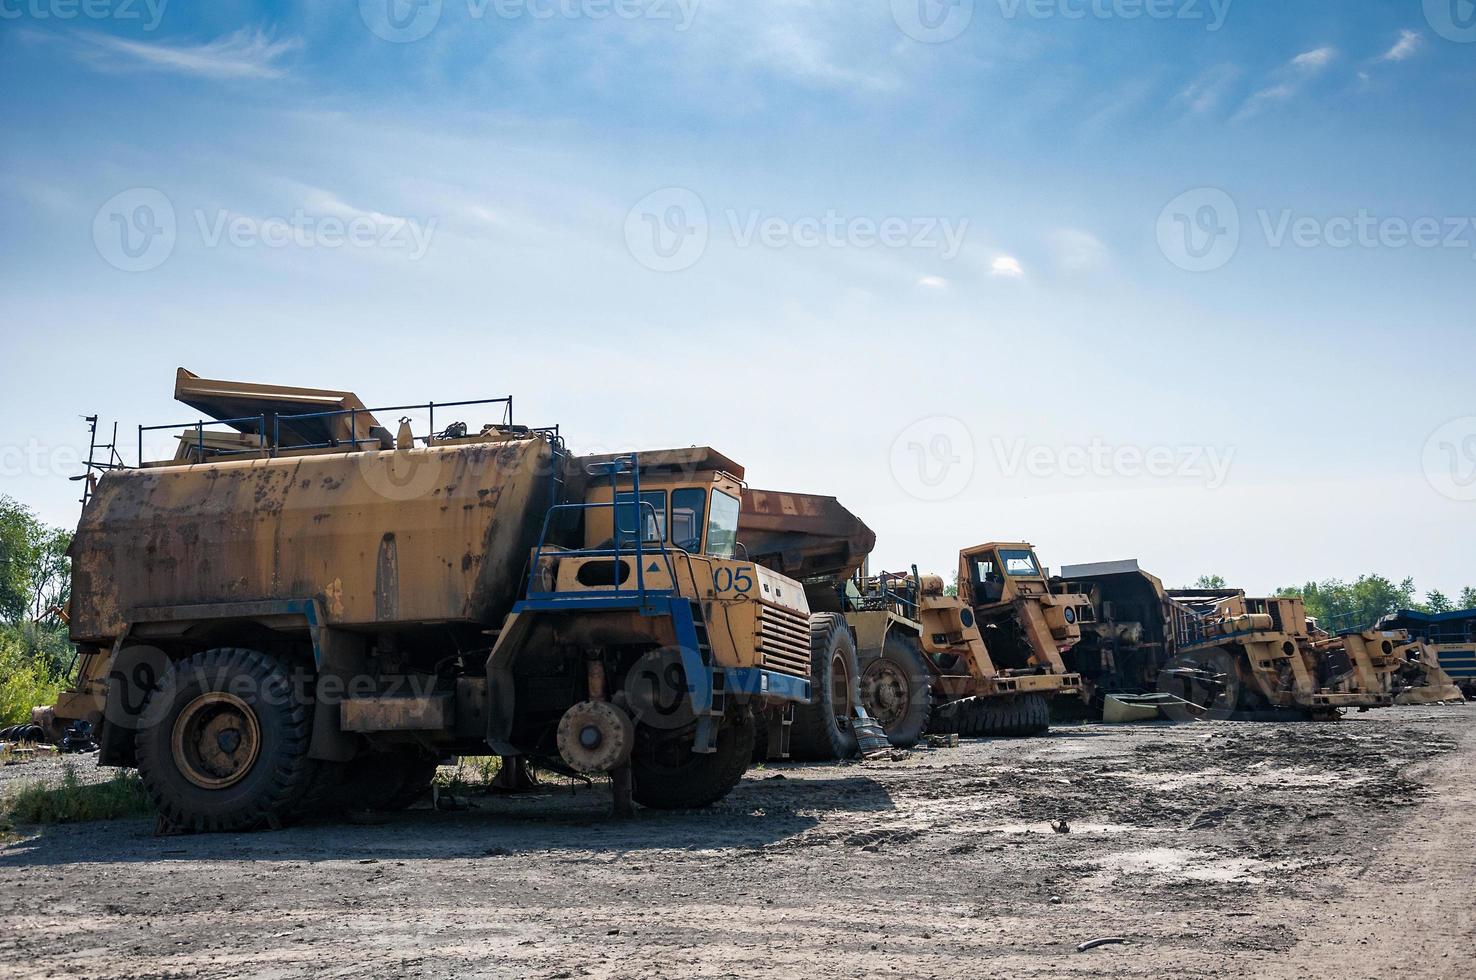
307,610
912,656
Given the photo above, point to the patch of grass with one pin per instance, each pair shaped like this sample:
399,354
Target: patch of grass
77,802
470,772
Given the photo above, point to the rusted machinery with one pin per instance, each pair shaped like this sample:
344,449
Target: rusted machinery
1140,637
1390,660
926,666
914,658
309,611
1262,657
1449,637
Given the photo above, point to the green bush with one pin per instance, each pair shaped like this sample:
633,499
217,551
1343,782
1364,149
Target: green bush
25,680
75,802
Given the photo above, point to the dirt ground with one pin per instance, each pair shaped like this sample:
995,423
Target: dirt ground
1214,849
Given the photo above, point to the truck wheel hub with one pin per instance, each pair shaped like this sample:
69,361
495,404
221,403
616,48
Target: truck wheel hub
595,736
216,740
887,692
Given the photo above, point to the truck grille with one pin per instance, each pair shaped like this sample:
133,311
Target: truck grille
784,641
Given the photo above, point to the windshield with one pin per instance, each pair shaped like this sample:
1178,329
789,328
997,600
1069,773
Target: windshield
1020,563
688,507
722,526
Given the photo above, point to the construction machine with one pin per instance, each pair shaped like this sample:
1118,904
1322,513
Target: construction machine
1140,640
1258,657
1389,659
306,611
927,667
914,658
1449,638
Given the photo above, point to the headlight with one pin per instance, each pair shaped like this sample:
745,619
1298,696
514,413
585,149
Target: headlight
966,616
1070,615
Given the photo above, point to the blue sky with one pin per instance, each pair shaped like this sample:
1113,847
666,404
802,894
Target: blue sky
1065,280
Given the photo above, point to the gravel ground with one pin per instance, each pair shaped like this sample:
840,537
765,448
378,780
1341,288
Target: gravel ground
1213,849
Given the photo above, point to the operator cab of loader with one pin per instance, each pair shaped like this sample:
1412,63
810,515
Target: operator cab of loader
1000,579
999,573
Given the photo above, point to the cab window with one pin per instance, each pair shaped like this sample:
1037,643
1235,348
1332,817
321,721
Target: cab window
984,571
1020,563
652,518
688,508
722,525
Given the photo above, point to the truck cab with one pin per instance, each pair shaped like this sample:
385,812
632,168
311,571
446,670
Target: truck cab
1005,583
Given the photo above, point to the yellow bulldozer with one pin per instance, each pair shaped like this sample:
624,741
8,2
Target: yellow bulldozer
306,611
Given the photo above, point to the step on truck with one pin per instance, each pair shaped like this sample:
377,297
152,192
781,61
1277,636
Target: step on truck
306,611
911,656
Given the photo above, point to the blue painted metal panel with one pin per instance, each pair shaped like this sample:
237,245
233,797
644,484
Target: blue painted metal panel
756,680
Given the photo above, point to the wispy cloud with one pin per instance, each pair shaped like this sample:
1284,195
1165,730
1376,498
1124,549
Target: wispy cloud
1285,82
1077,251
1409,42
1206,91
802,53
1313,61
246,54
1006,266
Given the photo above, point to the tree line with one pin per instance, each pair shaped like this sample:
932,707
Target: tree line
1339,604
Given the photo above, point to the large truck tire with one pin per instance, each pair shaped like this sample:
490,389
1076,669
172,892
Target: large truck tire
418,773
1022,716
822,729
224,742
1208,682
385,780
667,775
897,690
